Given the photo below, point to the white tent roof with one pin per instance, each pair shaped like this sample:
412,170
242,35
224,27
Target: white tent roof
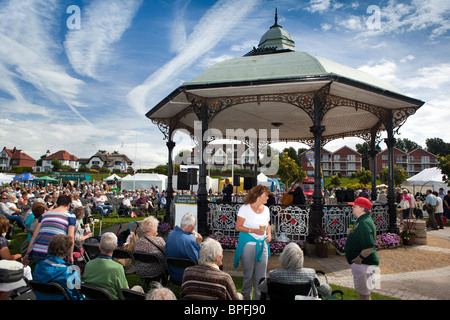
427,176
146,176
4,178
144,181
111,177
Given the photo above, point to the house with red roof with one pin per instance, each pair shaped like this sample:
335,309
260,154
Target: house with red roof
10,158
63,156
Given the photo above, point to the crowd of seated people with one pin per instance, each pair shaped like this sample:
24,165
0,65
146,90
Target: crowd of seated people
103,271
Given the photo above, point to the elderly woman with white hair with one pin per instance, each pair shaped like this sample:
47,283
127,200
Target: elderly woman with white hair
149,242
292,272
206,281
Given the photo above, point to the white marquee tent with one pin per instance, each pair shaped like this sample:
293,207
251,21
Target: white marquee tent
426,179
113,177
144,181
4,178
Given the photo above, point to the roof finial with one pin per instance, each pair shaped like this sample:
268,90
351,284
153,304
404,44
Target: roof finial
276,19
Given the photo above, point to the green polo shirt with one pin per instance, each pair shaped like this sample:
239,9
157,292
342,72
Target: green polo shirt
107,274
363,236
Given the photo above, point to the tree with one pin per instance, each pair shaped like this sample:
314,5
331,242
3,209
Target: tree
444,165
364,176
293,154
400,175
406,145
56,165
364,150
288,170
335,180
437,146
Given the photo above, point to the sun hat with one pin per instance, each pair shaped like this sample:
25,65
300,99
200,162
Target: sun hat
11,275
362,202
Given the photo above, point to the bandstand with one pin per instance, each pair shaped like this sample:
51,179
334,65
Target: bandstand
275,93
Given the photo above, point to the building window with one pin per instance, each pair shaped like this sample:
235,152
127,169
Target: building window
336,157
425,159
351,157
384,157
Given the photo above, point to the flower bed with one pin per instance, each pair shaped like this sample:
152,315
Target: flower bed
383,241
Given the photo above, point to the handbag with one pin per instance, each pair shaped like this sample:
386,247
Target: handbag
310,296
404,204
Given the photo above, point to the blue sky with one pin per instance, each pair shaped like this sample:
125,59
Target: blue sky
87,89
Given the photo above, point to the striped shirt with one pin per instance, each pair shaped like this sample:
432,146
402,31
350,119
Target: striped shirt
52,224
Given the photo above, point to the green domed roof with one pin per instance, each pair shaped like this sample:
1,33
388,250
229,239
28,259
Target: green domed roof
285,65
277,37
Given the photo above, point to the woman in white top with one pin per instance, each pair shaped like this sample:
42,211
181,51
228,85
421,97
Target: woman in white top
253,222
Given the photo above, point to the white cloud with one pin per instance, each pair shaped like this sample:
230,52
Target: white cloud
103,23
398,17
408,58
29,53
384,69
433,77
178,29
211,28
318,5
245,46
325,26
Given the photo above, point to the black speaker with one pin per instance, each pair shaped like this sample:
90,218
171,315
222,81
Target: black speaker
340,195
350,195
236,181
249,182
182,181
192,176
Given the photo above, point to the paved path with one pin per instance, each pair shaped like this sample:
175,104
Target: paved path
416,285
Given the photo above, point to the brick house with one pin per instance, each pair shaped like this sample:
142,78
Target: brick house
344,160
10,158
412,162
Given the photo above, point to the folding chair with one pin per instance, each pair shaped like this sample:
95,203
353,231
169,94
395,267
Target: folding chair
91,249
49,289
124,254
151,258
129,294
91,292
178,263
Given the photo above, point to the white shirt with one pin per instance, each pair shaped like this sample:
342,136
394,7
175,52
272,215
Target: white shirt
253,220
10,205
77,203
126,202
440,207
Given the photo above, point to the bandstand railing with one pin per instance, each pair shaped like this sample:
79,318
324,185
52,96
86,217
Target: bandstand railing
293,221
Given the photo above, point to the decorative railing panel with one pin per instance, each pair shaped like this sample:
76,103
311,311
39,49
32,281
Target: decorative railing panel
293,221
337,218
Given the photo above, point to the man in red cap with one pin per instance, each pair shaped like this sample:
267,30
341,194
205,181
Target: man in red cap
360,248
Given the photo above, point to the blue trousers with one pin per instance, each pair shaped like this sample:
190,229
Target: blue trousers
105,209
